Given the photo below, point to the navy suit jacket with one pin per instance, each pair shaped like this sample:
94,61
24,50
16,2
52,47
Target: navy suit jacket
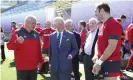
58,57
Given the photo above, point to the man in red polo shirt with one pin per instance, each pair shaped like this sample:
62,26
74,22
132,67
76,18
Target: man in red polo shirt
130,38
44,34
38,28
108,44
14,27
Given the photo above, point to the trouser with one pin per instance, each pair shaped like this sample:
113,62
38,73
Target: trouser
75,63
66,75
3,52
130,61
27,74
88,66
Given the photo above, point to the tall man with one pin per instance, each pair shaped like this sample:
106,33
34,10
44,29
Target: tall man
63,48
75,61
108,44
89,48
27,50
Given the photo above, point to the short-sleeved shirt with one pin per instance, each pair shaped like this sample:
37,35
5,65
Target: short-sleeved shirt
45,36
111,29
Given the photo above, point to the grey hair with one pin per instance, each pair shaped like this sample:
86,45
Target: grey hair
93,19
68,21
58,20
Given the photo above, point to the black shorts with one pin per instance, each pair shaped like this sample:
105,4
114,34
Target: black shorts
27,74
111,69
45,51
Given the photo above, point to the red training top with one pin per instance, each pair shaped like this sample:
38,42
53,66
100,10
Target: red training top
83,35
27,54
38,29
45,34
130,34
111,29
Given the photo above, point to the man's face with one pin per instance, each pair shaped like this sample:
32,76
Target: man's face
123,20
38,25
59,26
68,27
87,26
31,24
92,25
80,27
98,14
13,24
48,25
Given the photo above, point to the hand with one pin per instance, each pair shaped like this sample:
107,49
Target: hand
96,69
50,67
20,39
69,57
94,59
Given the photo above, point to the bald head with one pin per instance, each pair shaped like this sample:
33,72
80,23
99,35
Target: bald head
30,22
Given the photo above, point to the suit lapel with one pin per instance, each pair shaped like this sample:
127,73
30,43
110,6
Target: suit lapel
55,38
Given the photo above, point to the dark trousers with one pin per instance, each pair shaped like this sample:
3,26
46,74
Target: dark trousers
88,66
3,52
75,63
27,74
61,75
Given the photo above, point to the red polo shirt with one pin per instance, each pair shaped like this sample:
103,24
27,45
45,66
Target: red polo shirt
130,34
45,36
111,29
83,35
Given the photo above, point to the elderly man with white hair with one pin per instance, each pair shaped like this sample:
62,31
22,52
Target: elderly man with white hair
63,48
75,61
89,49
27,50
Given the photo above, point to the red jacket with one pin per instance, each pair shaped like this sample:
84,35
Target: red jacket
130,34
83,35
27,54
44,34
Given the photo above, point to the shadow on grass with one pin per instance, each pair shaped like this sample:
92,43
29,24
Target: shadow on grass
45,78
12,64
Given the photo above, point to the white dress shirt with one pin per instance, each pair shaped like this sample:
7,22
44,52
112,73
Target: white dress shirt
89,42
60,36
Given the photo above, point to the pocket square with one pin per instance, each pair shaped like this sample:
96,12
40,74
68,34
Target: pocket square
67,39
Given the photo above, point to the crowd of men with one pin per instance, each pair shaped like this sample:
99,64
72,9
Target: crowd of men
98,44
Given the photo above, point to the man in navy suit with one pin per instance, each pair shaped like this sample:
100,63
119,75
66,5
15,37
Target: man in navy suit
63,48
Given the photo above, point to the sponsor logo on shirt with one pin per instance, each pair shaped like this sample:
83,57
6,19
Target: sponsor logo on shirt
46,35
